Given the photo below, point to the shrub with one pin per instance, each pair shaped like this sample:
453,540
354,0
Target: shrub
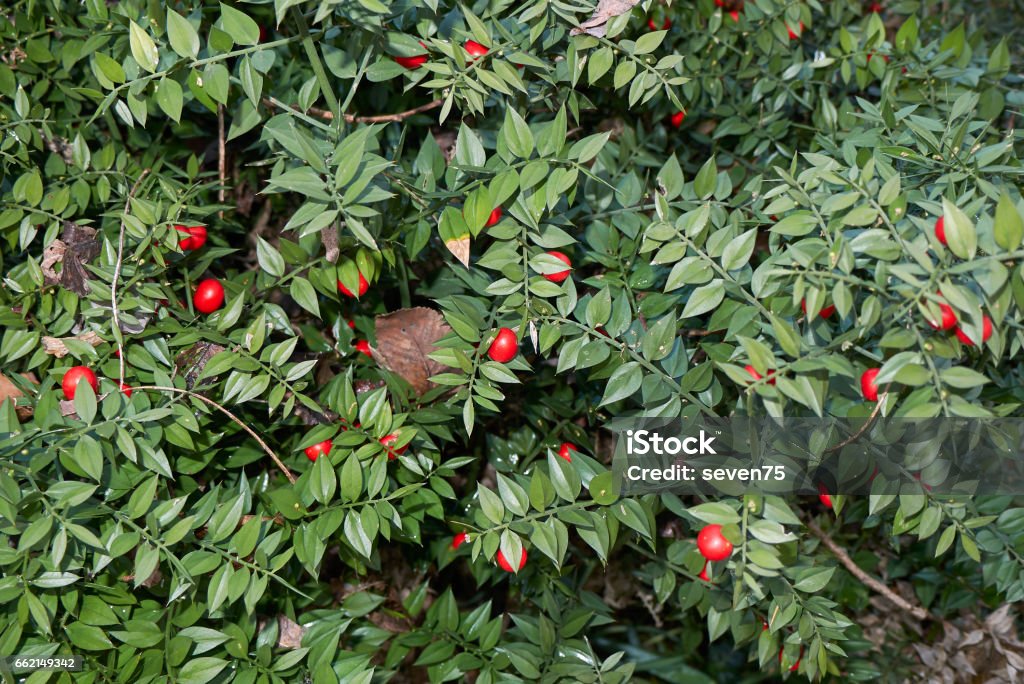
362,283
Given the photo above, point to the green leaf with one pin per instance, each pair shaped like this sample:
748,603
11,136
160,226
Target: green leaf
1009,227
491,505
715,512
813,579
960,234
269,258
303,293
704,299
706,180
143,48
200,670
169,97
516,134
649,42
626,380
182,36
242,29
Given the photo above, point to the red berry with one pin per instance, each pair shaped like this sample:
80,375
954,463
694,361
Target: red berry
677,119
875,7
351,324
494,217
795,665
209,296
757,376
712,545
948,318
504,347
986,332
459,539
735,14
475,49
793,35
940,230
195,237
388,441
868,386
704,572
560,275
75,375
414,62
364,347
506,566
363,287
126,389
313,452
823,495
565,449
666,25
824,313
264,34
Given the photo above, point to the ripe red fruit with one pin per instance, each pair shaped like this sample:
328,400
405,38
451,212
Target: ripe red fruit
712,545
677,119
868,386
948,318
126,389
459,539
351,324
209,296
824,313
364,347
388,441
493,218
793,35
757,376
313,452
414,62
565,449
363,287
560,275
504,347
195,237
75,375
986,332
875,7
704,572
795,665
665,26
823,495
940,230
506,566
475,49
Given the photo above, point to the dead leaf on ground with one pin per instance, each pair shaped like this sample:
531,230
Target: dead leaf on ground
8,390
405,338
329,239
606,9
289,632
193,360
445,139
55,346
460,248
77,246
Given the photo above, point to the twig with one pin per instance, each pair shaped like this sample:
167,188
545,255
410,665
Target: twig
352,118
871,419
281,466
918,612
222,158
117,275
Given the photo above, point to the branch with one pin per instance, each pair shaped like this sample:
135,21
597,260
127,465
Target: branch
117,275
221,157
281,466
918,612
871,419
352,118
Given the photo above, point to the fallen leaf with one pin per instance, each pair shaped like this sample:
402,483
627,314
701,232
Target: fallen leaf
606,9
8,390
193,360
289,632
460,248
329,238
55,345
77,246
405,339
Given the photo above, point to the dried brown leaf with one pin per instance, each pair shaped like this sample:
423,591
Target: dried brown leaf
606,9
8,390
460,248
289,632
193,360
55,345
77,246
405,338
